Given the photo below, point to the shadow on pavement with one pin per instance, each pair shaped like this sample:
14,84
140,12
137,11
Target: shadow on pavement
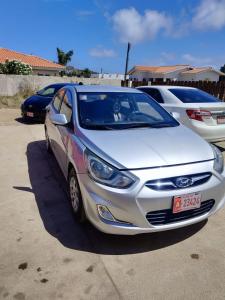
27,121
49,188
222,149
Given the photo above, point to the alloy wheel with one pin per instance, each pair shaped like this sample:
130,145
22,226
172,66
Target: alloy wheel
74,194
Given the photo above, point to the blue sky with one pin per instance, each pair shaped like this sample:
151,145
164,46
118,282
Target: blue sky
162,32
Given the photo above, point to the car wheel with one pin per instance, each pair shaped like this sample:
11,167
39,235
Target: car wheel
76,197
47,142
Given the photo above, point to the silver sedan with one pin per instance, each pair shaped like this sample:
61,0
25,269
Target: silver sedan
196,109
131,167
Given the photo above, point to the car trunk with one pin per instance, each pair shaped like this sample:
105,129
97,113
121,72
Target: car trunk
216,115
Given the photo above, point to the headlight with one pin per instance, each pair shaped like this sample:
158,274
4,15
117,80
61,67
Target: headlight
103,173
218,162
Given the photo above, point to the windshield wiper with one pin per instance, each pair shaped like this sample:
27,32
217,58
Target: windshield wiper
98,126
156,125
127,126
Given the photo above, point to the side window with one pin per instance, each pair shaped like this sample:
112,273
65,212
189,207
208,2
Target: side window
155,94
58,99
66,107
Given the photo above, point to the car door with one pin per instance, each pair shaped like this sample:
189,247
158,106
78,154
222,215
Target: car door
63,132
53,109
174,106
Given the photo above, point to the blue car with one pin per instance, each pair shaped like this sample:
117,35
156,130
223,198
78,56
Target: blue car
33,108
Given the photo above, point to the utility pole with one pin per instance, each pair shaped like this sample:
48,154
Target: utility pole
127,61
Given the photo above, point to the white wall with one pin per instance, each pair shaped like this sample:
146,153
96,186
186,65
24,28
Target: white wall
141,75
109,76
208,75
12,84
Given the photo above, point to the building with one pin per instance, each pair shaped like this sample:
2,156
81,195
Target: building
176,72
108,76
40,66
196,74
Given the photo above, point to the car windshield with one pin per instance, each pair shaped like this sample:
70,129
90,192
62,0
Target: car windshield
193,96
121,110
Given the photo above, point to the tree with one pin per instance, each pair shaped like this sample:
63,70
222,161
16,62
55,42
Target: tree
86,73
15,67
222,69
64,57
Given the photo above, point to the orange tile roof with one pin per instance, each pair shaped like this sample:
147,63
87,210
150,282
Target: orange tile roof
32,60
159,69
196,70
199,70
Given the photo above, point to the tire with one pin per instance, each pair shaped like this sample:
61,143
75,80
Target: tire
76,197
47,142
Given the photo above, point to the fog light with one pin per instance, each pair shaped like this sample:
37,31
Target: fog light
105,213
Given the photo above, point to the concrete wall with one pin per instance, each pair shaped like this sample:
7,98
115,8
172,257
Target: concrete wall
12,84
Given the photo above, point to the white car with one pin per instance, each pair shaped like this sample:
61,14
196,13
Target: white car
198,110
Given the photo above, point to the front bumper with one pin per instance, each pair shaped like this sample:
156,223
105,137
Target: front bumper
131,206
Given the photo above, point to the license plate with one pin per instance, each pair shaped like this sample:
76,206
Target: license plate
221,120
186,202
30,114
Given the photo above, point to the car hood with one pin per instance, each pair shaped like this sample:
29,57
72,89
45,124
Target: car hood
147,147
37,101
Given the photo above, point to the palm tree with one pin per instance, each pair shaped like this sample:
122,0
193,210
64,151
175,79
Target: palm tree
64,57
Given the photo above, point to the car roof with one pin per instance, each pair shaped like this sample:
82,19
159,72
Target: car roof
104,89
62,84
166,87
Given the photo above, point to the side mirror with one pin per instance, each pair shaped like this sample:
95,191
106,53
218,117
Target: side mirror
59,119
176,115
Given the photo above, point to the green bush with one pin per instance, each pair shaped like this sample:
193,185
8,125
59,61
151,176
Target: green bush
15,67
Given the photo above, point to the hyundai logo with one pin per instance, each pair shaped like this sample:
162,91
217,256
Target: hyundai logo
183,182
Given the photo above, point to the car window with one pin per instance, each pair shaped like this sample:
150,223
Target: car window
121,110
154,93
66,107
193,95
58,99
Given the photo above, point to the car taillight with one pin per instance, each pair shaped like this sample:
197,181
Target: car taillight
198,114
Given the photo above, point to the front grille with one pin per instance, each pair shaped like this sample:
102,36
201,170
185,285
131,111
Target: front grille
167,184
166,216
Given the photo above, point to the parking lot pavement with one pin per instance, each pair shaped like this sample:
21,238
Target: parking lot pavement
45,254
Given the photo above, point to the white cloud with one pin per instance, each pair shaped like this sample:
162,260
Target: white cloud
102,52
210,14
189,58
134,27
